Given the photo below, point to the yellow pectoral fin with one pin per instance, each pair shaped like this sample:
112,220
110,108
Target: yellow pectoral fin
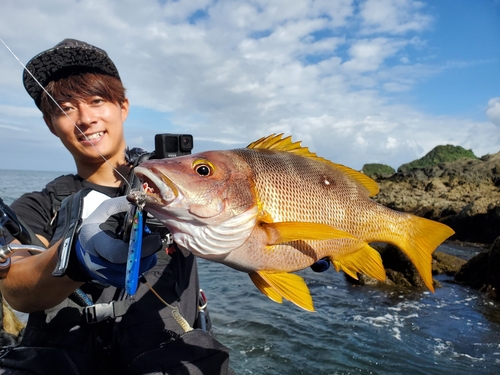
287,285
366,260
293,231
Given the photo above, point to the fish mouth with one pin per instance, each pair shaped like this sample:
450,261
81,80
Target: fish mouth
158,187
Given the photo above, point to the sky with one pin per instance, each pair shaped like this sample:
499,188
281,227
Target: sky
374,81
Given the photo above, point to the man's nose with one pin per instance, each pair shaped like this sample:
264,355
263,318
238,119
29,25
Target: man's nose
86,115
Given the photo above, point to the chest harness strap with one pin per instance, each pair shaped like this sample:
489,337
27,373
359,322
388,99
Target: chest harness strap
100,312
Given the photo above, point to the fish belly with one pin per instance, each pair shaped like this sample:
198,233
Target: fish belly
287,257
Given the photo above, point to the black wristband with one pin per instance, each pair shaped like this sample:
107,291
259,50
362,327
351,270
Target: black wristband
73,270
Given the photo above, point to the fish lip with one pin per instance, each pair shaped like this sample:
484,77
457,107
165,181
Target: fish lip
164,190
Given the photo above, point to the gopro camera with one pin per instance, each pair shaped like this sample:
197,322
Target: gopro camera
172,145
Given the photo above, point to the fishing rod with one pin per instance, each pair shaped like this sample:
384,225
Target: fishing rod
134,216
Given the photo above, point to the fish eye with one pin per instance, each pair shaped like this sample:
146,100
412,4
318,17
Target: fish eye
203,168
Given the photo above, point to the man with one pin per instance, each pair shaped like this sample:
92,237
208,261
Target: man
81,319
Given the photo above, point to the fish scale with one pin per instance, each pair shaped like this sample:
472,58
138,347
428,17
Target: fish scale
283,192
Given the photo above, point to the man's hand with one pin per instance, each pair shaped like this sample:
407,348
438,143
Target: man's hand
321,265
102,254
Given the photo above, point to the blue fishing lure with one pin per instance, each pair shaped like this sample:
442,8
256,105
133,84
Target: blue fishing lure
135,245
134,253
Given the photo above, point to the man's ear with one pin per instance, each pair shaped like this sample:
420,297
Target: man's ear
124,107
48,121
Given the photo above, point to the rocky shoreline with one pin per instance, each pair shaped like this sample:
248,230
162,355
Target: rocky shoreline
463,194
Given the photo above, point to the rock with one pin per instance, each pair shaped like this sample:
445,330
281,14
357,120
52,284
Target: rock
11,327
483,271
445,263
464,194
399,269
401,272
436,185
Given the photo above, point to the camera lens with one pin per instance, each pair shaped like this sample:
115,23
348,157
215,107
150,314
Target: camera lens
186,142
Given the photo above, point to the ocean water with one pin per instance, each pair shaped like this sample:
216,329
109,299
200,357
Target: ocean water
355,330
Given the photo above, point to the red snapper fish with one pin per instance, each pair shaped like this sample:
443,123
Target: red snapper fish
274,208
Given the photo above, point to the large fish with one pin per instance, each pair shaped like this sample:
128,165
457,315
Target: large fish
274,208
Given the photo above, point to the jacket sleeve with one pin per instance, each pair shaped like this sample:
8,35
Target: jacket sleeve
35,211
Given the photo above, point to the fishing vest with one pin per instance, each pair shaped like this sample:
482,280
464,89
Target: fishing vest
58,190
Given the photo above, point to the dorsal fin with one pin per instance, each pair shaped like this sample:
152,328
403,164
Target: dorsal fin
278,143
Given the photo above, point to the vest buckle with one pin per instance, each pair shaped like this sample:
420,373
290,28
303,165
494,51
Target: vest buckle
99,312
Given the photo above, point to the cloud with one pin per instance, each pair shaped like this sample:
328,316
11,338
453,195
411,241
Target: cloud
12,110
493,111
14,128
337,75
391,143
393,16
369,54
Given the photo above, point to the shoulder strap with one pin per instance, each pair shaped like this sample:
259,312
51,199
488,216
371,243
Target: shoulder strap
58,190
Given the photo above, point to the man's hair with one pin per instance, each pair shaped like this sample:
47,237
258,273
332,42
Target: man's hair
78,86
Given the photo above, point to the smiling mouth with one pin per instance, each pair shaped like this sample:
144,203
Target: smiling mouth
90,137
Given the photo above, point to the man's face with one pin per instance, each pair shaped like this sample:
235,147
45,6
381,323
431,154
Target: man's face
98,130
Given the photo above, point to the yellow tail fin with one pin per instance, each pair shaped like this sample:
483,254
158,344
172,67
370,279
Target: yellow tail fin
423,237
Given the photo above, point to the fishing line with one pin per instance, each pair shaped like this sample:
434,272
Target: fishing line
62,110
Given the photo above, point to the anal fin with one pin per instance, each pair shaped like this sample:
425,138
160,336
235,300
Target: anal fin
265,288
366,260
278,285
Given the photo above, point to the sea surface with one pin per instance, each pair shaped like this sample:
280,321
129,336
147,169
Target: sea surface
355,330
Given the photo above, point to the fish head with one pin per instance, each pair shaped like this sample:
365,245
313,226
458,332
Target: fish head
206,199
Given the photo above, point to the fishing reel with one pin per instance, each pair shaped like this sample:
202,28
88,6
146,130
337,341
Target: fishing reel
10,222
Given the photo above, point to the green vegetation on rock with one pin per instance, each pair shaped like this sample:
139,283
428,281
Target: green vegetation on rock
380,170
439,154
